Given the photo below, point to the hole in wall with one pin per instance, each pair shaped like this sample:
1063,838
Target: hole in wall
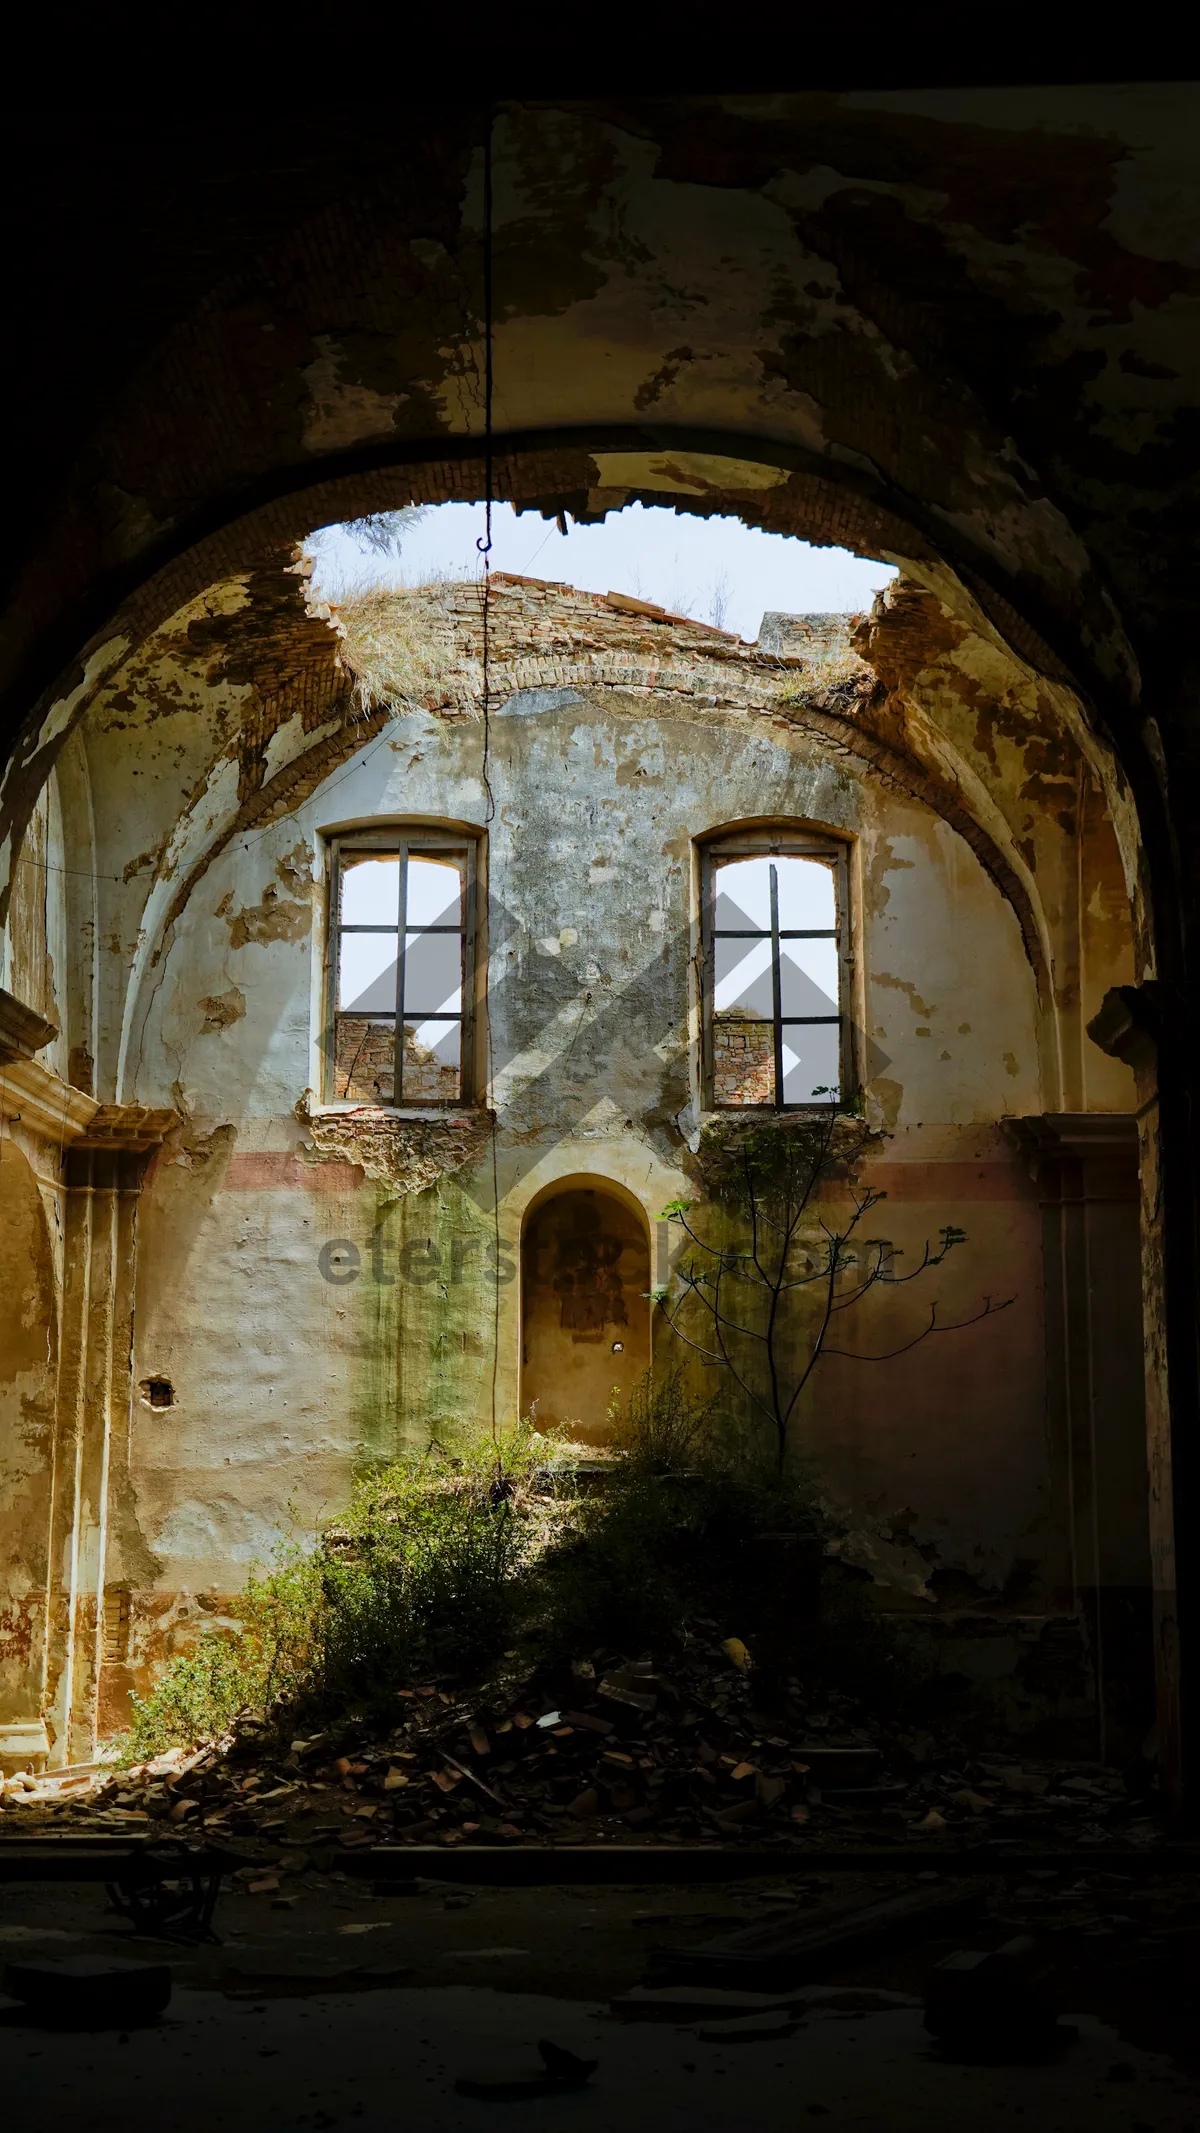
118,1614
157,1392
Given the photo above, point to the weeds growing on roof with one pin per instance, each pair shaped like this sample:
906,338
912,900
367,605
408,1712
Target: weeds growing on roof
393,645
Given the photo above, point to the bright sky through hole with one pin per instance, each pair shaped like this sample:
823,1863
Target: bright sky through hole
714,569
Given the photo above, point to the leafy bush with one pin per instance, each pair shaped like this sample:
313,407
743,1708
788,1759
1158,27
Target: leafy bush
203,1692
422,1574
438,1567
689,1523
663,1427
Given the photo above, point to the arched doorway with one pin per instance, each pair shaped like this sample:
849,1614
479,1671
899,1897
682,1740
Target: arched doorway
585,1311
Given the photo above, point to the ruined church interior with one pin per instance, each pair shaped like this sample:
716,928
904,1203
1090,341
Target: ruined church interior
599,1154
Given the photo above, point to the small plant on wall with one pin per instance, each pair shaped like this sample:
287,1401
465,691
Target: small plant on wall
774,1263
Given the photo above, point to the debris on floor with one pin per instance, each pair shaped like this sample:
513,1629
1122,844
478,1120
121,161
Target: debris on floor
784,1950
609,1748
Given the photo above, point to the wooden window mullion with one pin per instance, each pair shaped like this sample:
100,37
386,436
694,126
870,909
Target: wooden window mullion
402,929
466,959
776,989
333,965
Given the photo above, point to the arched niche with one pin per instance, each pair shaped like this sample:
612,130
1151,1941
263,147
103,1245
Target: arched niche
585,1310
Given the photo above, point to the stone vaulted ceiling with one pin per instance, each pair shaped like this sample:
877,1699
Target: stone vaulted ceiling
957,327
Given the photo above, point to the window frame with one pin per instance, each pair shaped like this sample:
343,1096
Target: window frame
403,840
778,841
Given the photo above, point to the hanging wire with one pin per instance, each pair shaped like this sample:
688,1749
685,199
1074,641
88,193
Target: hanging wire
485,549
485,544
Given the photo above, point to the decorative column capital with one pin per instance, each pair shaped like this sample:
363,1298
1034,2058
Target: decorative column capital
131,1129
1080,1155
1130,1021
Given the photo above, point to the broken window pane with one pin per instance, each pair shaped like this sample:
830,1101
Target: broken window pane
808,977
742,976
432,1053
744,886
775,962
423,892
810,1062
807,896
432,973
434,895
365,1060
367,973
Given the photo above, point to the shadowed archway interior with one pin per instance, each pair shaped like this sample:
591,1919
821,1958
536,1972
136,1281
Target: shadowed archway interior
585,1308
952,328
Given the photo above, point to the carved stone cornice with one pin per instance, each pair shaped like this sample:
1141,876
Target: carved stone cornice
1079,1155
22,1030
48,1108
131,1128
1130,1021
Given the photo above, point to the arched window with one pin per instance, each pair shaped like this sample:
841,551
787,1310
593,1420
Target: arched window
401,970
775,926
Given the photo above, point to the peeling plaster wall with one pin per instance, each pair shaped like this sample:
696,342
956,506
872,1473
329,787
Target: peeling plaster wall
287,1381
974,307
586,1313
28,1361
33,947
319,1291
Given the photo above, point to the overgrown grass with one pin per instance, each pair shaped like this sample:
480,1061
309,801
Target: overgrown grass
439,1567
421,1575
841,675
396,645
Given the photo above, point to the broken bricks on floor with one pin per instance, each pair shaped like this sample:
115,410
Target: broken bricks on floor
612,1744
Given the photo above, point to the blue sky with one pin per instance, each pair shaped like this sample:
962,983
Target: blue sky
715,569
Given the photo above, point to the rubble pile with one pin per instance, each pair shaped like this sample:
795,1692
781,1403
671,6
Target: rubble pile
611,1749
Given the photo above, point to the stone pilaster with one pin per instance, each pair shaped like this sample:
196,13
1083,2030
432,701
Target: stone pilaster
104,1177
1086,1169
86,1160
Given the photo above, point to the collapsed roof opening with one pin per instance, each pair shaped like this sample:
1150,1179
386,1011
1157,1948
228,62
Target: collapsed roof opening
714,569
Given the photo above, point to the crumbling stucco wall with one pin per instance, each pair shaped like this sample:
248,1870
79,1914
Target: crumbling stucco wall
28,1360
318,1291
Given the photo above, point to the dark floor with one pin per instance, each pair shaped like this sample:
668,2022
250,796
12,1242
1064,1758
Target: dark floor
362,2009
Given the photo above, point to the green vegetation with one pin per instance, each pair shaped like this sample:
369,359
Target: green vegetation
423,1573
692,1523
439,1567
775,1263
